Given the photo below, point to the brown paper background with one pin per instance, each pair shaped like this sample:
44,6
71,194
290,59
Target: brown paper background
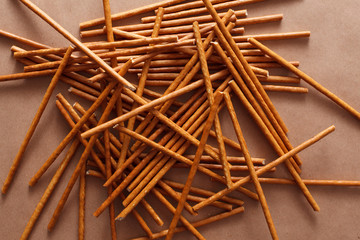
330,56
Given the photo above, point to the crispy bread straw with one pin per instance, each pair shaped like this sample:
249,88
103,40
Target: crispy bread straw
263,170
305,77
81,162
77,127
230,159
250,165
197,224
196,11
219,167
261,19
77,43
269,136
114,63
244,67
127,35
35,121
82,186
130,13
171,208
202,192
290,89
210,97
312,182
23,40
140,89
273,36
175,195
193,169
279,79
50,188
276,141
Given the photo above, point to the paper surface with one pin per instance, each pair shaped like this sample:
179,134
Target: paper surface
330,56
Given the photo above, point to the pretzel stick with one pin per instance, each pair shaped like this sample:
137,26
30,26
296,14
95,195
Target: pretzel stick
130,13
279,79
126,34
312,182
276,88
219,167
203,192
193,169
263,170
22,40
196,224
49,189
273,36
230,159
306,78
276,141
76,42
170,207
210,97
139,90
82,186
35,122
197,11
250,165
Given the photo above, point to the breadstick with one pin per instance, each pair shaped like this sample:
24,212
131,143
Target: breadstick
279,79
306,78
290,89
79,44
261,19
130,13
127,35
35,122
312,182
22,40
82,186
273,36
274,163
231,159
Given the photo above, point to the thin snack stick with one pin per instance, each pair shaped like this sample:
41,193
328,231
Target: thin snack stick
269,136
250,165
273,36
290,89
210,96
219,167
203,192
197,224
82,186
170,207
274,163
261,19
35,121
127,35
193,169
305,77
23,40
79,44
48,191
279,79
130,13
310,182
230,159
140,89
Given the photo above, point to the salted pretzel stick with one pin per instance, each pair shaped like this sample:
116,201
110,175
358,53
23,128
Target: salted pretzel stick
290,89
193,198
280,152
230,159
196,224
310,182
193,169
126,34
274,65
261,19
81,162
244,67
35,122
50,188
139,90
219,167
82,195
170,207
22,40
277,143
76,42
279,79
263,170
197,11
250,165
210,97
202,192
305,77
185,76
130,13
273,36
